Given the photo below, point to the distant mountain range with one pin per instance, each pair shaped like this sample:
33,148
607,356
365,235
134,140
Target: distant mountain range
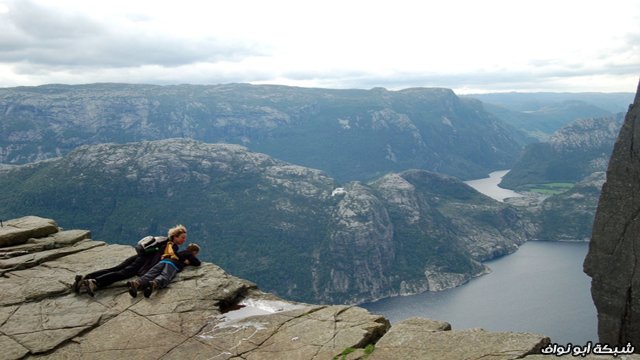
572,153
610,102
570,167
541,114
291,229
350,134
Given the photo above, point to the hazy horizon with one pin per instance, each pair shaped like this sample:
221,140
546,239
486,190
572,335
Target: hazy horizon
329,88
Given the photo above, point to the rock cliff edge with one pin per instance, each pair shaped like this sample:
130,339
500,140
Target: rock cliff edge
204,314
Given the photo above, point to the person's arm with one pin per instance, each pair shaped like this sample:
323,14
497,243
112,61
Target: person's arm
194,261
187,258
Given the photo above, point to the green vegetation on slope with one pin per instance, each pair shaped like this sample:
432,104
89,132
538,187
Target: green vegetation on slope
261,219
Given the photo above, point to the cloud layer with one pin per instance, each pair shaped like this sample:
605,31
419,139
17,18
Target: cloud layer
465,45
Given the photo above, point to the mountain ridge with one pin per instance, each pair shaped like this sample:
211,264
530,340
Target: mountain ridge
572,153
351,134
541,114
405,233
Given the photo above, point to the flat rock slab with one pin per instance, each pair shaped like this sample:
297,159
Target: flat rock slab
420,325
127,336
53,241
90,260
414,342
33,284
306,332
36,258
43,325
18,231
11,349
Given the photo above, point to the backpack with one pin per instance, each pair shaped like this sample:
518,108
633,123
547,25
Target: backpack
150,244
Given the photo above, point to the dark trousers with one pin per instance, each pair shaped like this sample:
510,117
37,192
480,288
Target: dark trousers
124,270
161,273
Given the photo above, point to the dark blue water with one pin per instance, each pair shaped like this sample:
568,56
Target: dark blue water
539,289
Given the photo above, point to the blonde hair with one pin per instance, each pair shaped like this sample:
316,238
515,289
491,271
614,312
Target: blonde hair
193,247
176,231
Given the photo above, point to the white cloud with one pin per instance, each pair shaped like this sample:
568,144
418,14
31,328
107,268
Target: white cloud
461,44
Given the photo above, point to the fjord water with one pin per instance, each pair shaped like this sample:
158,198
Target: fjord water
539,289
489,186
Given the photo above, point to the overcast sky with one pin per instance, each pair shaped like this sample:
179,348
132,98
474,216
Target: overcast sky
466,45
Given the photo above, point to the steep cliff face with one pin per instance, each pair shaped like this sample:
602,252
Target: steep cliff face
360,247
614,251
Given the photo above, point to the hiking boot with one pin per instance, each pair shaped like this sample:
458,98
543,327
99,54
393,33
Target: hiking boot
149,289
133,287
76,284
91,286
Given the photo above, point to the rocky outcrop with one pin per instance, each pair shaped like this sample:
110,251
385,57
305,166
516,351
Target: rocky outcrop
204,313
586,134
614,251
418,338
484,227
13,231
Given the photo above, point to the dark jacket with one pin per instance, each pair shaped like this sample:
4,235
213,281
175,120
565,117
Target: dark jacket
183,256
151,258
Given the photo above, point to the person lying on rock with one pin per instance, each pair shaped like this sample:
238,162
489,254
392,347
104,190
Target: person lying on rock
137,264
163,272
